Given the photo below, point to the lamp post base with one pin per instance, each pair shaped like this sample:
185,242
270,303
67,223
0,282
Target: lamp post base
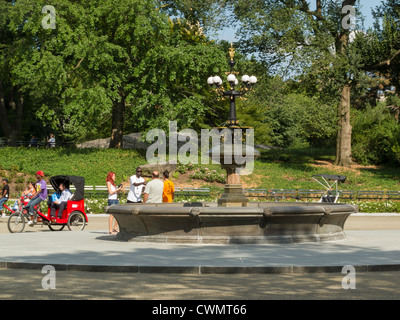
233,196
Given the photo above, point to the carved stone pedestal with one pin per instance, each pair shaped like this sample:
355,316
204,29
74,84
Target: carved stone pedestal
233,196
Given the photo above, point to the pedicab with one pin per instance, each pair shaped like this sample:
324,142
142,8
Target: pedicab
73,216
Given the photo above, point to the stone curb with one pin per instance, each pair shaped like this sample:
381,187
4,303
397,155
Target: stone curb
199,269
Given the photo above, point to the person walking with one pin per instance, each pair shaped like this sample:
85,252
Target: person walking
113,191
41,195
169,188
5,194
137,183
154,189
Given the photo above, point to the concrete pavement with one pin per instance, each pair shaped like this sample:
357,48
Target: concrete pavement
80,285
95,250
98,251
163,271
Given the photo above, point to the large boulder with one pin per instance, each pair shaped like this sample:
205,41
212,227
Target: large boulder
129,141
147,169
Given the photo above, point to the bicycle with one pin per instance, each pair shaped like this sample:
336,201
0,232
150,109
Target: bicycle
19,217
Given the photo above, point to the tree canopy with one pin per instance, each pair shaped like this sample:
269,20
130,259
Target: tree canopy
106,68
122,64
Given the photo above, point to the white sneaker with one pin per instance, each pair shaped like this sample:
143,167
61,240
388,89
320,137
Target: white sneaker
30,223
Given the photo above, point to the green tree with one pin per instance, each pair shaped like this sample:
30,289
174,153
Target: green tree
381,46
292,35
12,99
46,67
286,118
111,64
377,131
210,14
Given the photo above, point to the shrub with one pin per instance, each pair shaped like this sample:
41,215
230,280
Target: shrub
202,172
206,174
375,136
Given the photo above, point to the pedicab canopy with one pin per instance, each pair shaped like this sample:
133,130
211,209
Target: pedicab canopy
78,182
331,177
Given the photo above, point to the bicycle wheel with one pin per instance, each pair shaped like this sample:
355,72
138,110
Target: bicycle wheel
56,227
76,221
16,223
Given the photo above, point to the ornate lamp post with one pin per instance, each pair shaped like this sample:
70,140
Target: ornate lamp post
230,153
248,84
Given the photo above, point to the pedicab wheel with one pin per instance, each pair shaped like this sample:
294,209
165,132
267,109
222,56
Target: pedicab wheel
76,221
16,223
56,227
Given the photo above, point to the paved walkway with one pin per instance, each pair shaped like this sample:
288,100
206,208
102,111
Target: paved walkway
27,284
187,272
94,250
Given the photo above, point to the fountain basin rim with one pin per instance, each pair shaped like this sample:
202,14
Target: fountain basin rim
260,222
266,211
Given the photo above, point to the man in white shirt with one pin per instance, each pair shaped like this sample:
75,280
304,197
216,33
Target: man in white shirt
61,203
137,183
154,189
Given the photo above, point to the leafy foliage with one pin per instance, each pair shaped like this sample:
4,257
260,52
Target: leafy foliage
134,65
107,58
376,135
285,118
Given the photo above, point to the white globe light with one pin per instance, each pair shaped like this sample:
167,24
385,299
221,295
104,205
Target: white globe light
231,78
217,80
245,78
210,80
253,80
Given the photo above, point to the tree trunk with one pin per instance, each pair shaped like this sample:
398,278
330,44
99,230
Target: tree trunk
5,126
17,127
11,131
117,126
343,144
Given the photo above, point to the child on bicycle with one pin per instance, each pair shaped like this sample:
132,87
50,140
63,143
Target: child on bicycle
28,193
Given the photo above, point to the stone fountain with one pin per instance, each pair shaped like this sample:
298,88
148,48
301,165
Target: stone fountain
233,218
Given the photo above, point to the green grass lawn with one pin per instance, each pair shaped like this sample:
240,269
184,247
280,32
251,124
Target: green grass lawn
279,169
93,164
289,169
293,169
282,175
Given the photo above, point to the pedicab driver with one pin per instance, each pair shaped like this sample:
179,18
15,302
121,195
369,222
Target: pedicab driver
41,195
